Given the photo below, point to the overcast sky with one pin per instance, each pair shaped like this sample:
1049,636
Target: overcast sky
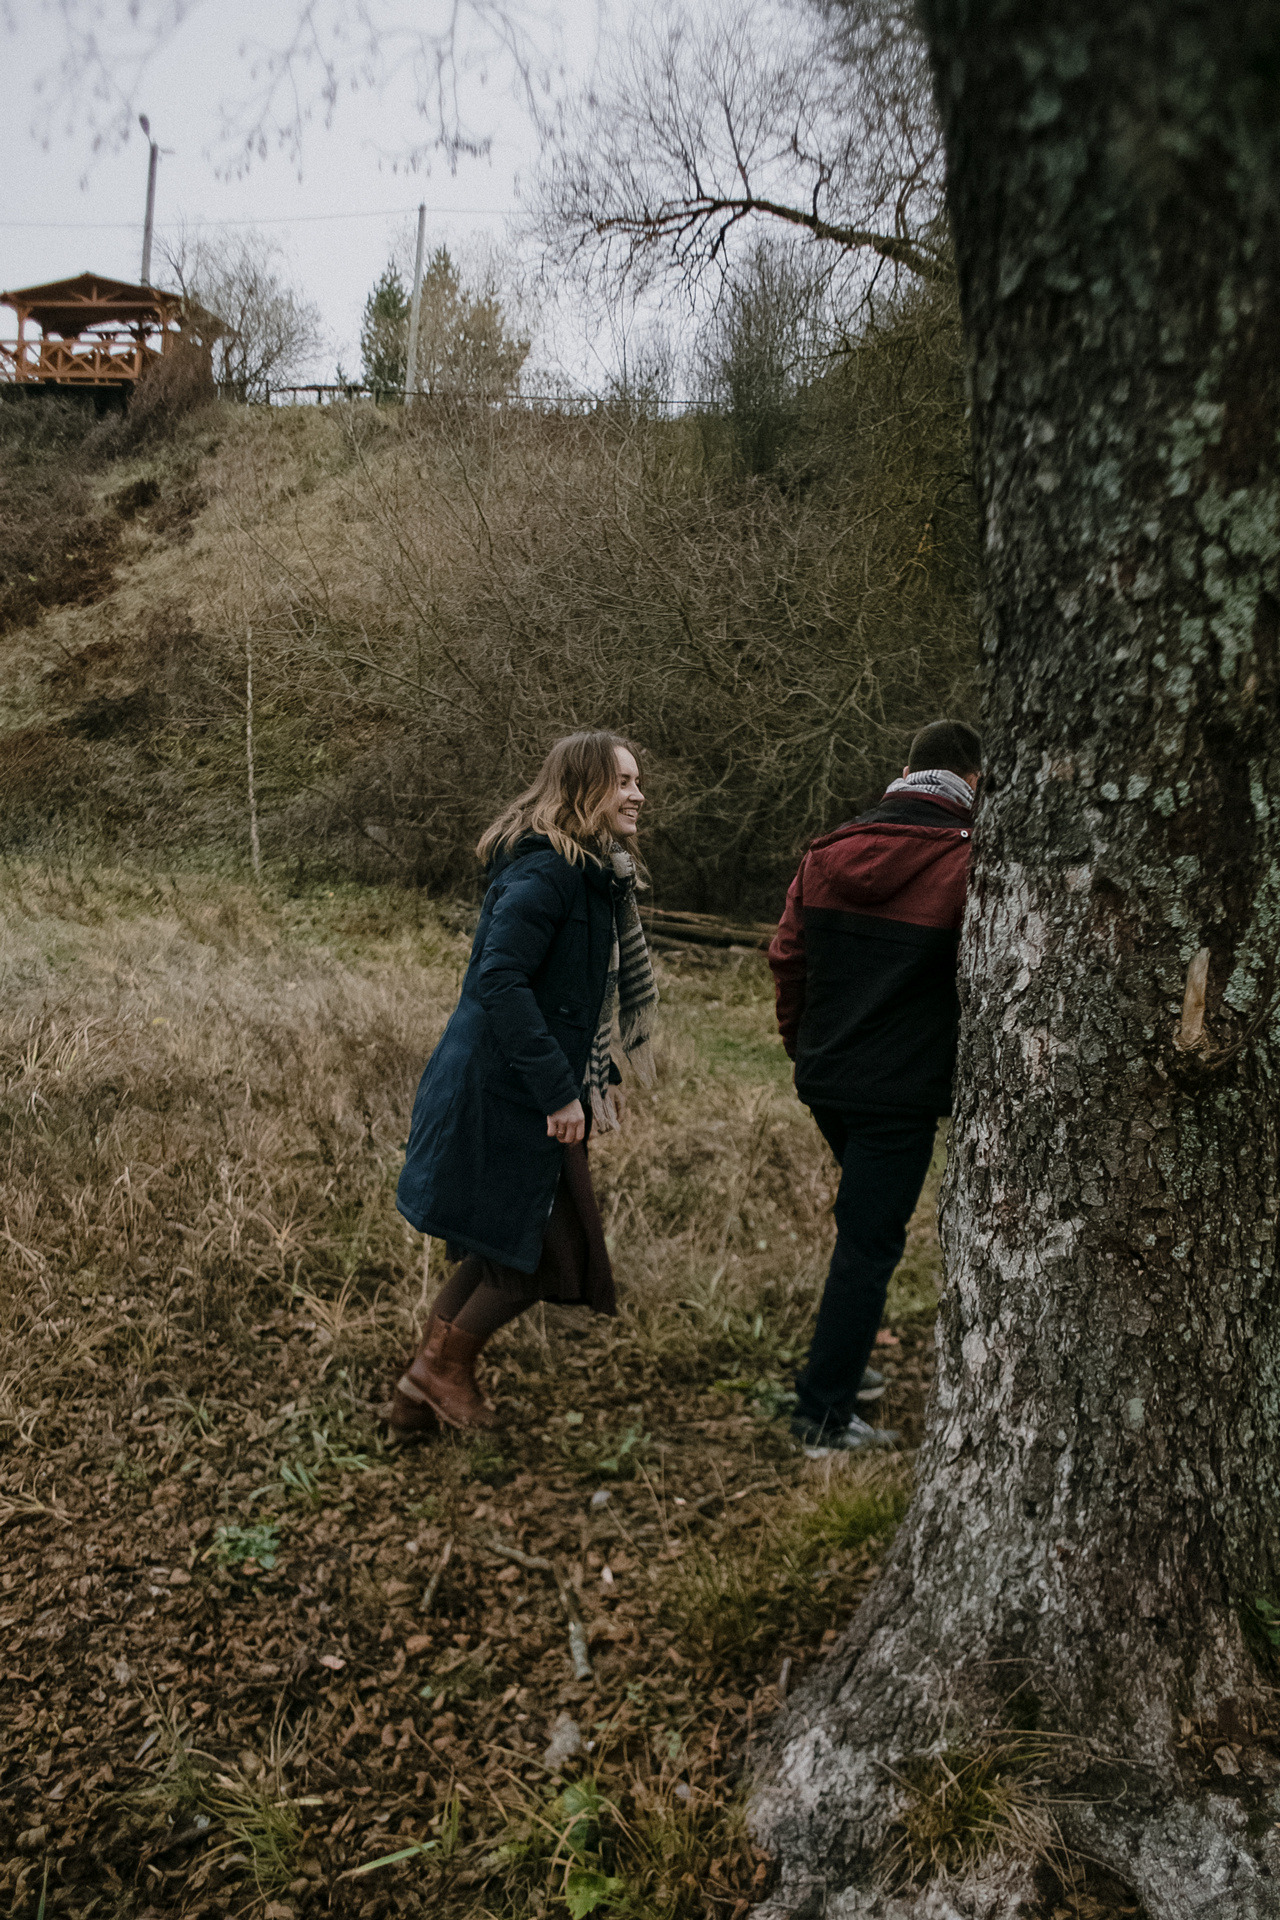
337,212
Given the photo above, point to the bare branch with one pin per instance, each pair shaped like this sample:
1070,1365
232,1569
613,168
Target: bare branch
818,118
294,76
686,224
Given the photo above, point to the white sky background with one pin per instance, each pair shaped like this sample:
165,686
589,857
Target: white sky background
69,208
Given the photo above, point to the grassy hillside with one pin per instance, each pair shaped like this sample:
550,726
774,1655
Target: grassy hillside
427,597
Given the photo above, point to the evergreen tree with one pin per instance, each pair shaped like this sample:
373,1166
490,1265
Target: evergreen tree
384,333
464,347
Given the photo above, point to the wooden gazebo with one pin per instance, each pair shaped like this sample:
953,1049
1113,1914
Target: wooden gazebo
93,332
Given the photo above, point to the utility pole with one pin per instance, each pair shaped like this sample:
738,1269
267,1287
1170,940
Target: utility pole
145,124
415,310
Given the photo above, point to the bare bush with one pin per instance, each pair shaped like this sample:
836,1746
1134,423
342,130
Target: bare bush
769,592
179,383
493,579
269,331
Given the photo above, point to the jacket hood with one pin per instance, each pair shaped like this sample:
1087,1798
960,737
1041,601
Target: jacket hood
876,862
527,843
595,873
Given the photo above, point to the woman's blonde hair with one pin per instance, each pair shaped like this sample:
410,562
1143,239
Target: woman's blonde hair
567,802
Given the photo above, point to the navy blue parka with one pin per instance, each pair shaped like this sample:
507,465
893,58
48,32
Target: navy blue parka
480,1170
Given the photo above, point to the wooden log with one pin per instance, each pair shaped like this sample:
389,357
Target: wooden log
705,929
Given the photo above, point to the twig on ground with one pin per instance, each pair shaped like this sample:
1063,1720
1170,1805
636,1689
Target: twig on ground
709,1499
660,1506
534,1562
537,1563
428,1598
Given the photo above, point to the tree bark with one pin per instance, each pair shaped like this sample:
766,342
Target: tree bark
1099,1489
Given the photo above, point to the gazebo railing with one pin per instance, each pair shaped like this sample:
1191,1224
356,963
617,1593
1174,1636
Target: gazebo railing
101,360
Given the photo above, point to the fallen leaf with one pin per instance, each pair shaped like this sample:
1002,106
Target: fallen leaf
334,1661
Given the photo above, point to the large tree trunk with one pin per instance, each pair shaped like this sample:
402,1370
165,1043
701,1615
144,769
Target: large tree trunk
1098,1491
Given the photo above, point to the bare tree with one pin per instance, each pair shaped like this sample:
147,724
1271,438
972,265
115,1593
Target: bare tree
769,334
816,117
268,331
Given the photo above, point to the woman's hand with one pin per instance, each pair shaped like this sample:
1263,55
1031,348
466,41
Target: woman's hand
620,1103
568,1124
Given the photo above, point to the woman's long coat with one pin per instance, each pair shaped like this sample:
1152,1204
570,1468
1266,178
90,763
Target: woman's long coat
480,1170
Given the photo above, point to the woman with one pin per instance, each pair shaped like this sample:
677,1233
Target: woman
496,1164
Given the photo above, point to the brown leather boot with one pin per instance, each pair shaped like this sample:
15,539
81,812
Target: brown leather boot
410,1412
441,1383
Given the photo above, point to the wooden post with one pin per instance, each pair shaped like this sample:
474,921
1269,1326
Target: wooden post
255,850
415,310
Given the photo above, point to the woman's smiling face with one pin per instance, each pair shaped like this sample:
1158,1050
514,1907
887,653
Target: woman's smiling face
626,801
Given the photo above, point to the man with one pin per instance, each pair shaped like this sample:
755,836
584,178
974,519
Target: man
864,964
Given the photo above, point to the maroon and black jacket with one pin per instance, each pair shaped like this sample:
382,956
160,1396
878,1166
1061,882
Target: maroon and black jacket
864,959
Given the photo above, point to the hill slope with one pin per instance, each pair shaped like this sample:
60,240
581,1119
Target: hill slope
427,598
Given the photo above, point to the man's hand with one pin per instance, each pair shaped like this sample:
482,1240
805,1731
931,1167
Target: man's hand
567,1124
620,1103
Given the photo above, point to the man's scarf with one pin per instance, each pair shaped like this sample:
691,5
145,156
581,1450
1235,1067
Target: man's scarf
936,780
630,991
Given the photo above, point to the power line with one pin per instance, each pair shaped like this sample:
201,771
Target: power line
250,220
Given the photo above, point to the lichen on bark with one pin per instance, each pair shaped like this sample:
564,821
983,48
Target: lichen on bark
1099,1489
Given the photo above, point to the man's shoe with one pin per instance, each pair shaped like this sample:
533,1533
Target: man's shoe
857,1437
871,1386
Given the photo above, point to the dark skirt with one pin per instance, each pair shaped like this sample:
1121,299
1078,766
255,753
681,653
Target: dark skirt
574,1269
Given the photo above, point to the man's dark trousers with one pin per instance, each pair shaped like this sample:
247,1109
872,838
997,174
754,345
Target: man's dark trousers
884,1158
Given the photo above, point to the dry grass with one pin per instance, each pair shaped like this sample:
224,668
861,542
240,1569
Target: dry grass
204,1287
209,1082
195,1087
989,1792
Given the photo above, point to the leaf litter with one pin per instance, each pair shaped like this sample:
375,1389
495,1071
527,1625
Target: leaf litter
255,1659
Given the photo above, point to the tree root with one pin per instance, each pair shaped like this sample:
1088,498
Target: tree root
999,1890
1190,1860
832,1803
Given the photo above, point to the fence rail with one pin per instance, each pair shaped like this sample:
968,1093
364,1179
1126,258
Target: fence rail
320,393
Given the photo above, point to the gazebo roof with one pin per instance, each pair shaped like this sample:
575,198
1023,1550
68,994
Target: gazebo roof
67,307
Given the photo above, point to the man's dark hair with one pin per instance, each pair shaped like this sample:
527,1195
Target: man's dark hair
946,743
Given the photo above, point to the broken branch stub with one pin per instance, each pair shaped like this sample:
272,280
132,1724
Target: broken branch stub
1191,1032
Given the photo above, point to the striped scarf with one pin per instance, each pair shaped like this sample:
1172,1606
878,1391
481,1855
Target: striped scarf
630,991
938,781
